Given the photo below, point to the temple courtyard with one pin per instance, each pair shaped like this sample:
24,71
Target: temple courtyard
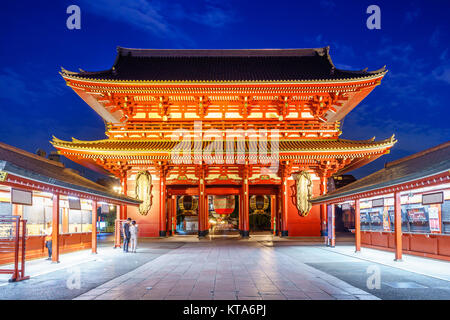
229,268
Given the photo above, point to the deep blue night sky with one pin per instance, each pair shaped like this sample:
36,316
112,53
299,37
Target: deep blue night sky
412,100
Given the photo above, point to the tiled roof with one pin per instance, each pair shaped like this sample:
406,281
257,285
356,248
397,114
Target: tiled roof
28,165
149,146
423,164
267,65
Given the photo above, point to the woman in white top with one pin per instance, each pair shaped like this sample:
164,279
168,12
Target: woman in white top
134,234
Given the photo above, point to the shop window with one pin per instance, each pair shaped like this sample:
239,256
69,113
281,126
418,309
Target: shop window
418,219
376,219
405,221
75,217
86,221
37,215
5,209
80,221
445,214
365,220
74,221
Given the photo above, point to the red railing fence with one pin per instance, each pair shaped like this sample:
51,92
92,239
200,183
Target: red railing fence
13,236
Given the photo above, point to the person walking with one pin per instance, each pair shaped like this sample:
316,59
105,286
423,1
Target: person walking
126,234
133,233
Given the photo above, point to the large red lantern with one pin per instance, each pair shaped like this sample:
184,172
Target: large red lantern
224,204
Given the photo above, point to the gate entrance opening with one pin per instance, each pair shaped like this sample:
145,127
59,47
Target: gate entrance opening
223,214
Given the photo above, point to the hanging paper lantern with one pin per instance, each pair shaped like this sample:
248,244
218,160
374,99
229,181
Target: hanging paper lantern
303,185
259,204
188,204
224,204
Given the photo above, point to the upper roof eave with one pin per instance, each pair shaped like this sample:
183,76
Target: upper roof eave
73,76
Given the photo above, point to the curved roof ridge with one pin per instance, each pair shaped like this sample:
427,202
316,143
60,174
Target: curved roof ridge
390,140
29,154
294,52
223,65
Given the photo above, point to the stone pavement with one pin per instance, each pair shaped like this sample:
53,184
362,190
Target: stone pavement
438,269
226,270
60,281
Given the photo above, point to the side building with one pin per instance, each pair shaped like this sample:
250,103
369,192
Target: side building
44,193
404,207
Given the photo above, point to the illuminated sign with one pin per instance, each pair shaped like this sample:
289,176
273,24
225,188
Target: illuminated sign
433,198
21,197
74,204
3,175
378,203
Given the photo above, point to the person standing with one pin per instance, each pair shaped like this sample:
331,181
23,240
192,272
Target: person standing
126,234
48,239
133,233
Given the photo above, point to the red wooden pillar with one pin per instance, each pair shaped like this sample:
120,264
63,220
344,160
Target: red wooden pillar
117,226
241,208
94,227
55,229
333,224
284,203
162,204
202,206
169,215
398,227
357,227
207,224
122,213
272,213
173,222
278,214
323,207
124,184
245,232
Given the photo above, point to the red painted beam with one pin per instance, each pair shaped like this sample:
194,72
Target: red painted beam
55,229
94,227
357,226
398,227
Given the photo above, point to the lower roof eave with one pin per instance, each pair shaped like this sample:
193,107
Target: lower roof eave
82,190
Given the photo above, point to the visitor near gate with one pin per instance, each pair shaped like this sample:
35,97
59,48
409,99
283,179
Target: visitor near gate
48,239
133,234
126,234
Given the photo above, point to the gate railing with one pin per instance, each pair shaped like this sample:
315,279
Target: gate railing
13,236
118,232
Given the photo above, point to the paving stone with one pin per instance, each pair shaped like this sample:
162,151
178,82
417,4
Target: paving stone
184,297
85,297
273,297
344,297
249,298
231,270
294,294
319,296
366,297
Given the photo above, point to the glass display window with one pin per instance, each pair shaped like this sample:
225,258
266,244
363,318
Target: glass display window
365,220
38,215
